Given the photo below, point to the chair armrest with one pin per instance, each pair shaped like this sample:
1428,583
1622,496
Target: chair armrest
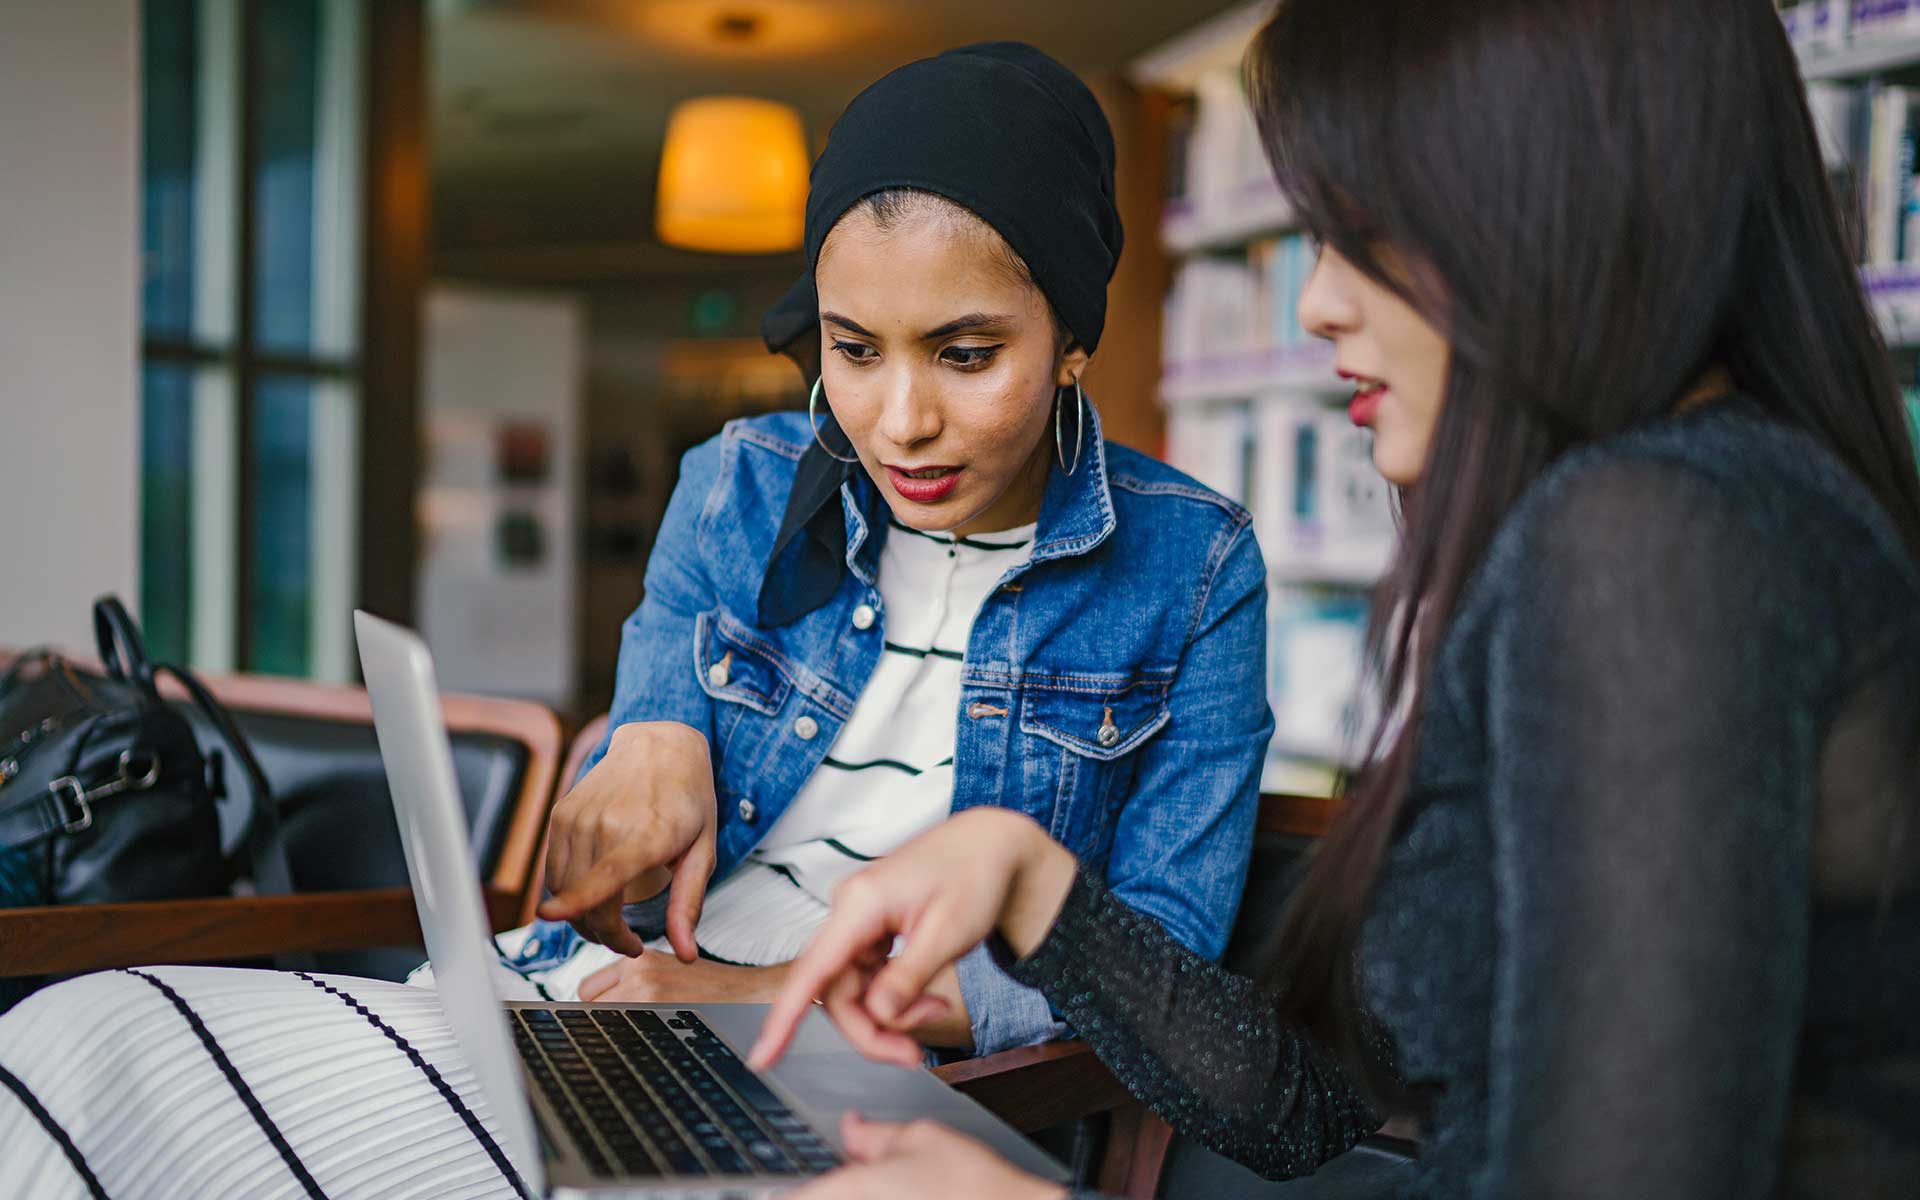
93,937
1037,1087
1298,816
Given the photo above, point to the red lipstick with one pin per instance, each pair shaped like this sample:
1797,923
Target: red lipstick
1365,405
924,485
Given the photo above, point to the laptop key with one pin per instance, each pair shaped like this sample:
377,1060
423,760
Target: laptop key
744,1082
691,1078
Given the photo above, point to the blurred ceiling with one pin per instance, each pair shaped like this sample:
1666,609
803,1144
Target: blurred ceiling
547,114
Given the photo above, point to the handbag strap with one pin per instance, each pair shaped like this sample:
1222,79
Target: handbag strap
261,832
40,814
115,633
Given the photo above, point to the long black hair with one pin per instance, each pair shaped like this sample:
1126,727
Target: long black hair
1605,200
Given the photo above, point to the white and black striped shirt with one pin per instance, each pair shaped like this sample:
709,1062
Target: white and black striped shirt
889,774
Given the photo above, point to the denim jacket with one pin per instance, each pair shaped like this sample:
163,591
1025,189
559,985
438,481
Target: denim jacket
1113,687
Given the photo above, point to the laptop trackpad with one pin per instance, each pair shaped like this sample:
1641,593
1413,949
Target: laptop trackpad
827,1077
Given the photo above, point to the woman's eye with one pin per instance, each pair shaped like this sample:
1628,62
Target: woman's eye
854,351
969,356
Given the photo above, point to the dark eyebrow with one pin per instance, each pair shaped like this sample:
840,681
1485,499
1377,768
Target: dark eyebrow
973,320
847,323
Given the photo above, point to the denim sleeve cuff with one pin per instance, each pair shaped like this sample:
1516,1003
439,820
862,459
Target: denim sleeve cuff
1003,1013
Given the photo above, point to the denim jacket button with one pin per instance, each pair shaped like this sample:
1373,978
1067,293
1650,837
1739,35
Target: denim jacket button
747,811
863,617
805,728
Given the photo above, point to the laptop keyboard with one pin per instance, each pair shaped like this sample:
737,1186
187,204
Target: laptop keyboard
648,1097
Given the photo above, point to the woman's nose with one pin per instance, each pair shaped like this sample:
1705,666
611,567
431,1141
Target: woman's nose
1326,304
909,415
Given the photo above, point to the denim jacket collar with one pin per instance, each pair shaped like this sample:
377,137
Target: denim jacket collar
865,511
1076,514
1076,511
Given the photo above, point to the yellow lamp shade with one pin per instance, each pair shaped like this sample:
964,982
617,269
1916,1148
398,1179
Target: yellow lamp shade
733,177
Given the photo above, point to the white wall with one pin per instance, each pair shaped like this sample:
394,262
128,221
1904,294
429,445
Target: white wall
69,303
494,357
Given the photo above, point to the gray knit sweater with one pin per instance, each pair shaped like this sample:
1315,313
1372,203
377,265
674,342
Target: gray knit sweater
1650,926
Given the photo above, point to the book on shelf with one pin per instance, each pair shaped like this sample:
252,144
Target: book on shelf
1320,508
1215,445
1240,305
1174,181
1825,26
1315,654
1815,25
1893,234
1870,142
1225,156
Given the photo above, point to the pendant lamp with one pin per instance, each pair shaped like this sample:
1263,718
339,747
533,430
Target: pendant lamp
733,177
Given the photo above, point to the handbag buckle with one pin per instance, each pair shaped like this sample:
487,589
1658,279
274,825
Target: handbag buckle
77,816
76,801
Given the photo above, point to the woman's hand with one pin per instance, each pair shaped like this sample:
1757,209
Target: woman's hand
641,820
942,893
658,979
921,1159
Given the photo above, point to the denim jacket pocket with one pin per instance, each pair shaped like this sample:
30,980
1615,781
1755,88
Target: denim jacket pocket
1092,717
1097,725
735,666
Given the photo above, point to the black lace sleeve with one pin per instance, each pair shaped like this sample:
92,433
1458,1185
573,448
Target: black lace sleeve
1191,1040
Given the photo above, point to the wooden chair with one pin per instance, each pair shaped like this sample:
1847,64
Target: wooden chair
72,939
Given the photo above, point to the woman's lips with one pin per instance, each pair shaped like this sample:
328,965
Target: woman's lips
1364,406
1367,394
924,485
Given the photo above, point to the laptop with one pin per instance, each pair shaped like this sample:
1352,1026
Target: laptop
638,1100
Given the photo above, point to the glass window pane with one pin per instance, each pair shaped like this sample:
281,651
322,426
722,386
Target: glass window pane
187,512
282,525
307,172
189,114
306,526
170,50
166,510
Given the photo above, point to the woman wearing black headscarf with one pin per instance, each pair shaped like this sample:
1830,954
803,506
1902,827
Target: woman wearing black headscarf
939,589
987,603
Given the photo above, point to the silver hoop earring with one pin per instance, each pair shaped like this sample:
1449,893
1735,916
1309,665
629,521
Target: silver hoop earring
1079,427
813,401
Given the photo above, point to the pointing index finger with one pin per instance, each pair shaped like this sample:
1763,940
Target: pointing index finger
834,950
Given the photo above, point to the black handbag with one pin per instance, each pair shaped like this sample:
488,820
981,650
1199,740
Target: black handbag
105,794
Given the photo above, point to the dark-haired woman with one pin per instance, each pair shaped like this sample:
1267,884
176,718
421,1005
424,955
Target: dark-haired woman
1626,904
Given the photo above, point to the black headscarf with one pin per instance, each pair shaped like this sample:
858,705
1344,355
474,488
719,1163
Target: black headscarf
1002,130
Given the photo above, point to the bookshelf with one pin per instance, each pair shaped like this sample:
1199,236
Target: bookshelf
1853,62
1252,405
1847,40
1253,209
1232,375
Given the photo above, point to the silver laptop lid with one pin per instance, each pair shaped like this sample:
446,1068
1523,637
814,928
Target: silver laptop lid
446,888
